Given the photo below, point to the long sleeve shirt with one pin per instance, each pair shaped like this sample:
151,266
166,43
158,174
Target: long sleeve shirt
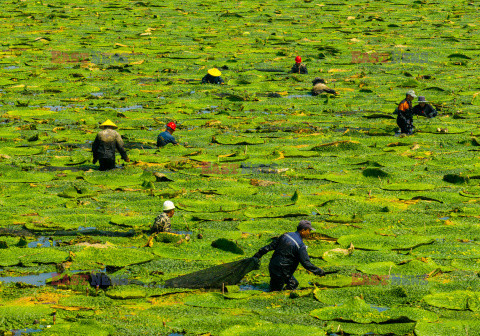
105,144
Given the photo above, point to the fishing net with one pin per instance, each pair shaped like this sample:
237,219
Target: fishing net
216,276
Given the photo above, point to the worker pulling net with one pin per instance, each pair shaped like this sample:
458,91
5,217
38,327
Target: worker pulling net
216,276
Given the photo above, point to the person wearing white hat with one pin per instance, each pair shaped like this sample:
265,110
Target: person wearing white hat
405,114
106,142
162,221
424,109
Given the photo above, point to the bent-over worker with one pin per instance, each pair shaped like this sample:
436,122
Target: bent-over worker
103,148
213,77
424,109
289,252
166,136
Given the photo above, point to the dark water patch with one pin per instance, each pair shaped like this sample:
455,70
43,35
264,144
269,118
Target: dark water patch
19,332
91,231
379,309
35,279
97,94
43,242
11,67
263,288
129,108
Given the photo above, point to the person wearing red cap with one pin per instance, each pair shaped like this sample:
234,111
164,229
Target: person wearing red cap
166,137
299,67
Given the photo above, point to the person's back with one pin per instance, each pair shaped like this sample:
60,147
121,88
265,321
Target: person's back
108,141
165,138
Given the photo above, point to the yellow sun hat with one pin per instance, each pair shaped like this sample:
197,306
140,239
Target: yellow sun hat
108,123
214,72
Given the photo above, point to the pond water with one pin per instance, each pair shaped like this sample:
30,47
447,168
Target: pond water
43,242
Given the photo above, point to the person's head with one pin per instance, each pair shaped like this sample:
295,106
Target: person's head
214,72
108,124
410,95
422,101
298,60
169,208
171,127
318,80
304,228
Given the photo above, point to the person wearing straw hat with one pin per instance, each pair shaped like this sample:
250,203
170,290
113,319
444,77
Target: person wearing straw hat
103,148
213,77
299,67
162,221
405,114
290,251
424,109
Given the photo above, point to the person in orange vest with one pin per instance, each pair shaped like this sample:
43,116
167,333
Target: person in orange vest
166,137
213,77
299,67
405,114
103,148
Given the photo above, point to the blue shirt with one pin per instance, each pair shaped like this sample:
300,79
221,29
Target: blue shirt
165,138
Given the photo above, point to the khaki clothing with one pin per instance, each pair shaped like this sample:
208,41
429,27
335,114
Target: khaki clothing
320,88
161,223
105,144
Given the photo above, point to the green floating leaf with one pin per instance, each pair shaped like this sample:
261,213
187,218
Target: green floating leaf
119,257
357,310
458,300
277,329
234,140
446,327
227,245
408,186
338,146
378,242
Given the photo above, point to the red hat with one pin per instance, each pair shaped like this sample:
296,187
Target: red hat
172,125
298,59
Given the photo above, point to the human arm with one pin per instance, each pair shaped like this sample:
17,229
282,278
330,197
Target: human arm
119,145
95,145
307,264
267,248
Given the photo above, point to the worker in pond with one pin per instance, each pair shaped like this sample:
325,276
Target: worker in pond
162,221
166,136
424,109
299,67
319,87
404,113
103,148
289,252
213,77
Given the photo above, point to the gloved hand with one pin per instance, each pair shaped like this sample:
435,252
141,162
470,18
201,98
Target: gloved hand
320,272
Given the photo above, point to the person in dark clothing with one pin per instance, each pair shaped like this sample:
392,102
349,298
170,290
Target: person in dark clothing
289,252
320,87
166,137
424,109
105,144
299,67
213,77
405,114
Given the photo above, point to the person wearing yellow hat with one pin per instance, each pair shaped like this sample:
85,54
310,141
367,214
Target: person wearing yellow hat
106,142
213,77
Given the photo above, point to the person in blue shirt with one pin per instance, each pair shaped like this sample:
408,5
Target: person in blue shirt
289,252
166,137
